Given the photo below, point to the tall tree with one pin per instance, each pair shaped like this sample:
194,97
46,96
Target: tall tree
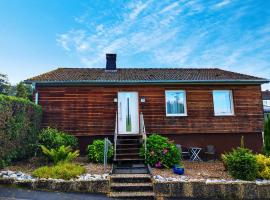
266,135
4,84
23,91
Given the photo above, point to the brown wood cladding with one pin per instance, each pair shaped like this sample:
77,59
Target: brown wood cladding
90,110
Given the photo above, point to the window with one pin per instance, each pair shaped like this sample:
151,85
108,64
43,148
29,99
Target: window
175,103
266,102
223,102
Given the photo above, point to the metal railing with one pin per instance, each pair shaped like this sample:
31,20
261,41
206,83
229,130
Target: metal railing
107,145
143,132
115,133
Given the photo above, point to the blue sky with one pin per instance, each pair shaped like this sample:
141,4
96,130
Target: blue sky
37,36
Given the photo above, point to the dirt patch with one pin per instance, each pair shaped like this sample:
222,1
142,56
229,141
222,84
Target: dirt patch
198,170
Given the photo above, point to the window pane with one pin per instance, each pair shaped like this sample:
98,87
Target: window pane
222,102
175,102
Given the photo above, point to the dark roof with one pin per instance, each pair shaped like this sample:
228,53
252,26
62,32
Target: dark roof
143,75
266,95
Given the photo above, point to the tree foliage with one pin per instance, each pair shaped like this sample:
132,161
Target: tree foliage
4,84
23,91
266,135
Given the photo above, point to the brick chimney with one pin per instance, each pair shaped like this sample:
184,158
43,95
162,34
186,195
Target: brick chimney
110,61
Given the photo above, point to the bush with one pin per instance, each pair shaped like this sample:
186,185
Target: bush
64,171
160,152
62,154
264,166
95,151
266,135
241,164
52,139
20,123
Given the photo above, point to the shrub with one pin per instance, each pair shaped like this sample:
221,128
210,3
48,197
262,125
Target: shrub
241,164
95,151
264,166
64,171
62,154
20,123
53,139
266,135
160,152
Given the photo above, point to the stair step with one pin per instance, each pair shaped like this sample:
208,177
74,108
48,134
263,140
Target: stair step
130,165
129,159
130,171
131,187
128,195
131,178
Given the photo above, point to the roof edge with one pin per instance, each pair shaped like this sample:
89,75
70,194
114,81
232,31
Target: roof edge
228,81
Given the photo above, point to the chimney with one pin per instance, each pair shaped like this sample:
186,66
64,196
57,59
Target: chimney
110,61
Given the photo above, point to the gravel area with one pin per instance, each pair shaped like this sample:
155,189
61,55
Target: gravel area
29,165
197,170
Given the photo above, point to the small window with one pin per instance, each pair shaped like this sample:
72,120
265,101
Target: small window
175,103
223,102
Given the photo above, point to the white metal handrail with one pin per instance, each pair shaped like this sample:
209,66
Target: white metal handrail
115,134
143,132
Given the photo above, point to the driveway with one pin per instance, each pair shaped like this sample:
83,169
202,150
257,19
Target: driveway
9,193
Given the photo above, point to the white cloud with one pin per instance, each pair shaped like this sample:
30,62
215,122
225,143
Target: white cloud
174,33
221,4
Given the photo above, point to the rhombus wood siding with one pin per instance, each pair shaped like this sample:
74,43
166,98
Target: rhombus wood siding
90,110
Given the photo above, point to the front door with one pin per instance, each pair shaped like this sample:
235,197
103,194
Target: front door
128,114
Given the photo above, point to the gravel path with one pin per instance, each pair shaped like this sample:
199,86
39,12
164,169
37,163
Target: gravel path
9,193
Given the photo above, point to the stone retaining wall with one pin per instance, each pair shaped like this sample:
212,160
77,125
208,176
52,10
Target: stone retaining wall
163,190
91,186
214,190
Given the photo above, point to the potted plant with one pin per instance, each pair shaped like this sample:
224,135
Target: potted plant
178,169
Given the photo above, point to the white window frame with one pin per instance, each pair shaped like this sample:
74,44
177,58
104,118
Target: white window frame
185,104
231,101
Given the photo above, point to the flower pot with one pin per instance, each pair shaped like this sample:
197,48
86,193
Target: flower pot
178,170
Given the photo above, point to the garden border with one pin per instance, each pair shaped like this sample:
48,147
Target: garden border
214,189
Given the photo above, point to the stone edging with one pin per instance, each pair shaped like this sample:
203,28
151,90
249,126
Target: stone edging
163,190
88,186
212,190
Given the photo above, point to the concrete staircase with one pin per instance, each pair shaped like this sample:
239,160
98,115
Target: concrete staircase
130,177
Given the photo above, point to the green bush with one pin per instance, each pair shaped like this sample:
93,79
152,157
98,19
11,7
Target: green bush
241,164
20,123
95,151
53,139
160,152
264,166
266,135
64,171
62,154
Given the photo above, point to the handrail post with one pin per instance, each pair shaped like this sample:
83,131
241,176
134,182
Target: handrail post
143,132
115,133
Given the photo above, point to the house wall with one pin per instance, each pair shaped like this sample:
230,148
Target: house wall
89,111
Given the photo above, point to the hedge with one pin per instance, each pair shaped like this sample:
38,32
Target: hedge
20,124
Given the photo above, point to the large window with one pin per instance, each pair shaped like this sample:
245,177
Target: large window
176,103
223,102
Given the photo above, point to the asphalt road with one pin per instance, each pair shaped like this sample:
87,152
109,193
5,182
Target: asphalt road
9,193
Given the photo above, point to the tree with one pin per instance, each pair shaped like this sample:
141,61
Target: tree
4,84
23,91
266,136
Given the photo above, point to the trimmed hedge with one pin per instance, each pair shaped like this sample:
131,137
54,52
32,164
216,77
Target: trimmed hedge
20,123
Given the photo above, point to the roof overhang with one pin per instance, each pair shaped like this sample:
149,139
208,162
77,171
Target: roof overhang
143,82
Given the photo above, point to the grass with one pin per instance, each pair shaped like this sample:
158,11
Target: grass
64,171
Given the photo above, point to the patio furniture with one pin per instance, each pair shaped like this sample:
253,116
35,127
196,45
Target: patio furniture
210,151
195,153
185,152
